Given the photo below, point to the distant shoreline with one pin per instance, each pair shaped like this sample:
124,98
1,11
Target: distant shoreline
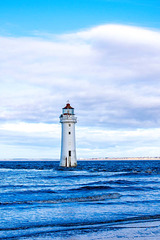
85,159
121,159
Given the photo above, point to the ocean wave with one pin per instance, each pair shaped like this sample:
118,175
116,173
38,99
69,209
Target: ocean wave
29,191
83,225
135,174
39,191
92,188
19,170
68,200
68,176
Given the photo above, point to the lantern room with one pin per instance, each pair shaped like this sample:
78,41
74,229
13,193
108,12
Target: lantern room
68,110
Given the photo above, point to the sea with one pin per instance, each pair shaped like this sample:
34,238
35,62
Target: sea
96,200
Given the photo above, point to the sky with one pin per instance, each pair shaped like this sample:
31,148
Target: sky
101,55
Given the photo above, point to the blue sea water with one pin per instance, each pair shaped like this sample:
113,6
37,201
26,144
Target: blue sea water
96,200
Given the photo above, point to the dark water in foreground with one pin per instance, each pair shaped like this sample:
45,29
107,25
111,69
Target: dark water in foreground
95,200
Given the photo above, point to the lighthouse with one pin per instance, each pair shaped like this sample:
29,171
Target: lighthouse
68,141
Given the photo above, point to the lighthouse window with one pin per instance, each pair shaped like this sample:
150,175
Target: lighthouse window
69,132
69,124
69,153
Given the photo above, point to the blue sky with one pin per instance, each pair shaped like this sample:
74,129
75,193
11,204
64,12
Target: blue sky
102,55
26,17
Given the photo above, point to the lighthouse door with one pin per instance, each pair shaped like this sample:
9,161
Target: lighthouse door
69,158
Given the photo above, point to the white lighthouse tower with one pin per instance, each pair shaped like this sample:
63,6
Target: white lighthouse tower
68,141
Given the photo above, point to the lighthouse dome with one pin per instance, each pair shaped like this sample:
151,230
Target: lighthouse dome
68,110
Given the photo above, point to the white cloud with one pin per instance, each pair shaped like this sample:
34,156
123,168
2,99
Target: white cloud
110,73
24,127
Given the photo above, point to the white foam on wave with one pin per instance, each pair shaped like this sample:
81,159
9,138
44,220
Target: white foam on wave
86,199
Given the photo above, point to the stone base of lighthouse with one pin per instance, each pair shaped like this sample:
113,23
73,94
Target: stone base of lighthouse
68,161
